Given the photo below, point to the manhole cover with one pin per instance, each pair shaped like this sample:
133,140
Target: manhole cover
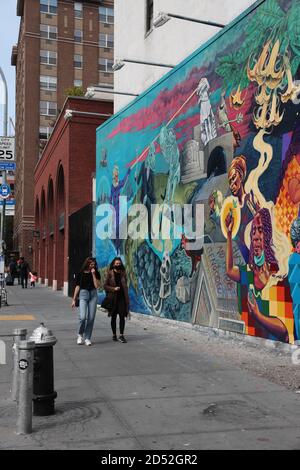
233,411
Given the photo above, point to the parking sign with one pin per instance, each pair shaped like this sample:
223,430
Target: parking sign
5,190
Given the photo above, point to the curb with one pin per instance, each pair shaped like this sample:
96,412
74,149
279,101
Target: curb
269,344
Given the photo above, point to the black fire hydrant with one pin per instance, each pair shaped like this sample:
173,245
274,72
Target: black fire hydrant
43,374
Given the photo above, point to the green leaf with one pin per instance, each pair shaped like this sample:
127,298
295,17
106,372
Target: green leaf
293,26
295,64
270,15
284,44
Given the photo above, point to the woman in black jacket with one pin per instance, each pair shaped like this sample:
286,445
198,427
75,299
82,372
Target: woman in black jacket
116,284
87,282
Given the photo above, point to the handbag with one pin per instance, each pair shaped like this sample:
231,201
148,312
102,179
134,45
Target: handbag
108,301
77,299
9,280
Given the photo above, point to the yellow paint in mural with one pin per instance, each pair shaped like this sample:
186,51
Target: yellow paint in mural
280,240
264,96
230,206
292,90
236,100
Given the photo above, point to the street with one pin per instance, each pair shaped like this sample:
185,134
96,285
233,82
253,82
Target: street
167,388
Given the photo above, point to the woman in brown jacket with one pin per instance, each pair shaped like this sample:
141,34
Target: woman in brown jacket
116,283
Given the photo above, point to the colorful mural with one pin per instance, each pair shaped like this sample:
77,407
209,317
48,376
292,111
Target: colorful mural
220,131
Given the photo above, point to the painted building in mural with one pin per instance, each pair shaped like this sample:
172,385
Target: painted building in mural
220,131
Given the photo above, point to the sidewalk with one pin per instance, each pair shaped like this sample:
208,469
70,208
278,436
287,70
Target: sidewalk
166,388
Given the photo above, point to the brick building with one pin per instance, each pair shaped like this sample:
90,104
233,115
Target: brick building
62,43
63,193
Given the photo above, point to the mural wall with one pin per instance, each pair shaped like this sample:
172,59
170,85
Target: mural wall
222,130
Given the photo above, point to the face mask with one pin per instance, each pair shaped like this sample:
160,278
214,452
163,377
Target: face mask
260,260
118,268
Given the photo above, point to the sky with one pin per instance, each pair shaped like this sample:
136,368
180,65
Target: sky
9,30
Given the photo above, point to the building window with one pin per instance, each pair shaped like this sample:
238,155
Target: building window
78,35
48,32
78,83
78,61
45,132
106,15
106,40
78,10
48,6
48,57
48,83
149,15
105,65
48,108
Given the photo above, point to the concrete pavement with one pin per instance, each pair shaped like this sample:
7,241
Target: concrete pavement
165,389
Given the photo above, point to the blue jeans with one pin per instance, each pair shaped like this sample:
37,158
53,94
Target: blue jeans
87,311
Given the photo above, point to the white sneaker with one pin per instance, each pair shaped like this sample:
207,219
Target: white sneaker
88,342
80,340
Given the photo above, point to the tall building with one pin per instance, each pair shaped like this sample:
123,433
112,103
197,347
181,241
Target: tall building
61,44
169,44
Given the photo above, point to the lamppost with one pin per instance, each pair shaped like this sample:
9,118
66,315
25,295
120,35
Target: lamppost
92,90
2,248
163,17
119,64
5,103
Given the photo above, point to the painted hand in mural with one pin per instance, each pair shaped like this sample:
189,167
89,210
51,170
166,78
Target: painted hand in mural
252,305
271,324
229,223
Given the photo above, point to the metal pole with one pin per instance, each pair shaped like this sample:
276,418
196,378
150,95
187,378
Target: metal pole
12,123
142,62
194,20
26,351
5,135
3,216
5,103
19,335
112,92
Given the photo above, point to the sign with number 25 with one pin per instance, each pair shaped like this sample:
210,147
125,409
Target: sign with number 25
7,149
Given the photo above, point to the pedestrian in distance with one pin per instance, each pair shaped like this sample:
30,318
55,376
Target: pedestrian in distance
33,278
24,272
116,286
87,283
12,272
18,271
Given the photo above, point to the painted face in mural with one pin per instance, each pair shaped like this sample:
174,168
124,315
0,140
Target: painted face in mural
257,236
211,202
115,176
235,182
150,161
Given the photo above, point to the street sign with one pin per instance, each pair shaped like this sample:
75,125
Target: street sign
4,190
8,166
7,149
9,202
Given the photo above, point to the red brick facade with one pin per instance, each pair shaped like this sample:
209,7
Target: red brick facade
63,185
